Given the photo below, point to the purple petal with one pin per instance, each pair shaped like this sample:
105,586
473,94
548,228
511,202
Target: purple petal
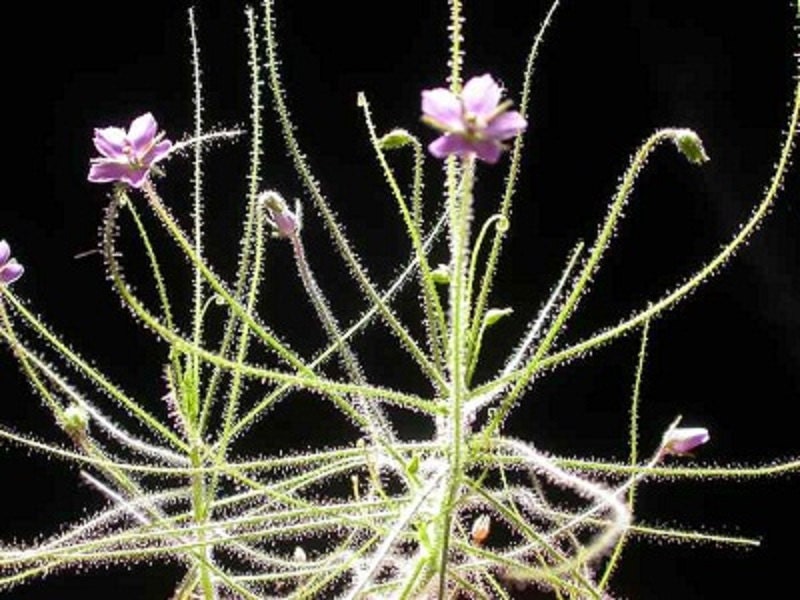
488,151
683,440
481,95
5,252
157,152
142,132
505,125
110,142
135,177
449,144
286,223
103,171
444,107
11,271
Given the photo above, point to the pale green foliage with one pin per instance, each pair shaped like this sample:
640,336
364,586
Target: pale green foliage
467,511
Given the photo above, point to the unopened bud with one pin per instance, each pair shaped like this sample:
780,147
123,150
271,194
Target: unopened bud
75,422
690,145
441,275
493,315
480,529
285,222
682,440
299,555
397,138
10,269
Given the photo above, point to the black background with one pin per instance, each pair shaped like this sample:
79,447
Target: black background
609,74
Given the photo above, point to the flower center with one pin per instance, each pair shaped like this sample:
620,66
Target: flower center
133,161
474,125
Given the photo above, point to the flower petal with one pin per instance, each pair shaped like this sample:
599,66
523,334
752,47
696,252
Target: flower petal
135,177
505,126
110,142
11,271
443,106
488,151
142,132
683,440
449,144
103,171
157,152
481,95
5,252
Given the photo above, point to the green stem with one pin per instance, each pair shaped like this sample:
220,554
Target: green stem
328,216
712,266
511,180
460,215
200,511
197,179
411,218
93,374
246,246
589,269
633,458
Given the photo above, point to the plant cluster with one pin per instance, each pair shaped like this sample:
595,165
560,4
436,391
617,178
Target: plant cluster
469,511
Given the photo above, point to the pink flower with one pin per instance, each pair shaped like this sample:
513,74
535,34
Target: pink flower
476,122
682,440
10,269
128,155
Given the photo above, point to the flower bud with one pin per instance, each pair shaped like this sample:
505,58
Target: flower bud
75,421
682,440
10,269
299,555
441,275
493,315
480,529
285,222
690,145
396,138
